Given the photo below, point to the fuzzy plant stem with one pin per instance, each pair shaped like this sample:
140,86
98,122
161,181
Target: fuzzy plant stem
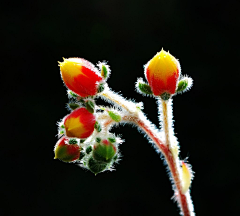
183,199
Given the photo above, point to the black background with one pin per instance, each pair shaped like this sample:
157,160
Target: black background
203,35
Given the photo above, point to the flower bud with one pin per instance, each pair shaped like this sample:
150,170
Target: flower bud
104,151
79,123
186,177
96,166
80,76
162,73
66,152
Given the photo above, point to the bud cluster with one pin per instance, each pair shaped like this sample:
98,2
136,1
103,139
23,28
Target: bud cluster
83,138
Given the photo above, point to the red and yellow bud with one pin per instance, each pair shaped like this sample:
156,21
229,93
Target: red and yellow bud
66,152
80,76
79,123
162,73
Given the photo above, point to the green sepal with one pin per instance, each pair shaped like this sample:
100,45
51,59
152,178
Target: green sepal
97,126
82,154
89,149
73,106
104,72
82,140
98,140
96,166
112,139
90,106
182,85
165,96
100,88
114,116
62,126
72,141
73,94
145,88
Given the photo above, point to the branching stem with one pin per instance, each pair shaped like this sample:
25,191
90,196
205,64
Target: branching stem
139,119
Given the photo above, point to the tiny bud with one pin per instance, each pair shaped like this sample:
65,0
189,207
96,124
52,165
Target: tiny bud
115,116
144,88
186,177
104,151
98,127
73,106
96,166
90,106
66,152
89,149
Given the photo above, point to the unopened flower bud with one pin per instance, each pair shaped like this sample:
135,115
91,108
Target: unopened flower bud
162,73
80,76
79,123
104,151
66,152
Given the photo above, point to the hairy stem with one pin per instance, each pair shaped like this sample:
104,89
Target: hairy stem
138,118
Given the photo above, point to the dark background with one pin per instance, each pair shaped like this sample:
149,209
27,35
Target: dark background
203,35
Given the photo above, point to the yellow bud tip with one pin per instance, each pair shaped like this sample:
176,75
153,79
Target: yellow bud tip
186,177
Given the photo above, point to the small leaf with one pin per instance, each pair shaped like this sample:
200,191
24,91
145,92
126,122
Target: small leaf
182,85
98,127
115,116
73,106
90,106
104,72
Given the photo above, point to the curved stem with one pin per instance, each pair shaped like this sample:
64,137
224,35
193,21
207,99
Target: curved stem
137,117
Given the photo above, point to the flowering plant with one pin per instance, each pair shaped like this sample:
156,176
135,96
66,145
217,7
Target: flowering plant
85,137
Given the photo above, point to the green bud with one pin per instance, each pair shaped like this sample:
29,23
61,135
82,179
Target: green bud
114,116
165,96
98,127
96,166
104,152
182,85
89,149
100,88
90,106
144,88
73,106
104,72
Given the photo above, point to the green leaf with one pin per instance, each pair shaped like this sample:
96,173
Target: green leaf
114,116
182,85
90,106
144,88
